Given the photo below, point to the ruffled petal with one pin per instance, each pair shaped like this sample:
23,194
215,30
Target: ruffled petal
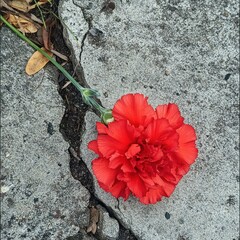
127,166
116,162
122,162
147,180
171,113
152,196
119,136
120,189
103,173
157,131
187,150
94,147
133,150
109,146
136,185
160,132
101,128
134,108
183,170
167,187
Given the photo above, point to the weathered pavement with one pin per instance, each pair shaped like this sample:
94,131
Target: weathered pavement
180,52
184,52
40,198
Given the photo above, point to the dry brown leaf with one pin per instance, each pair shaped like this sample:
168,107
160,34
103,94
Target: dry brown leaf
60,55
35,19
3,4
37,62
47,32
94,217
22,6
46,39
28,1
22,24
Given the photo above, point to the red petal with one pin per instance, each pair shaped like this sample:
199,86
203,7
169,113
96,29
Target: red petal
103,173
152,196
133,150
158,129
147,180
127,166
136,185
101,128
168,188
187,147
160,132
120,189
183,170
108,146
120,136
171,113
134,108
94,147
116,162
122,132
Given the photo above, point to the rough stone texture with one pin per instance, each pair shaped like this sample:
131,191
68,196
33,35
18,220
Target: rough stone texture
184,52
108,228
74,33
40,199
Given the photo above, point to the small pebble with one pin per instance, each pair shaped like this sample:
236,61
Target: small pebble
4,189
227,76
167,72
167,215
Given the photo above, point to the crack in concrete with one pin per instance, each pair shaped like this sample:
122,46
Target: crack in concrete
79,169
88,20
124,233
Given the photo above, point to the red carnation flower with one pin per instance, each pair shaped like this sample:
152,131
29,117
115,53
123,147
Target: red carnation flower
143,151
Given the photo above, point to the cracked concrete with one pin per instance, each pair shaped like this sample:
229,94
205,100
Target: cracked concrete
74,36
184,52
39,197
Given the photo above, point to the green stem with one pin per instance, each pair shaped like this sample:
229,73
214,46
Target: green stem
40,11
88,94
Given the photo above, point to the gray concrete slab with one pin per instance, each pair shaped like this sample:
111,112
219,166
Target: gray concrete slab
40,198
184,52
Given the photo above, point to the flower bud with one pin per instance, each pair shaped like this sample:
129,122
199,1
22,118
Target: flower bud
107,116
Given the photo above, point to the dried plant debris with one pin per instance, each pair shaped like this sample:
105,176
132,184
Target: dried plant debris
94,218
36,62
23,25
24,6
17,13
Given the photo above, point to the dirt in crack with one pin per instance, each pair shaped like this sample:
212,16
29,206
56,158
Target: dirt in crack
72,126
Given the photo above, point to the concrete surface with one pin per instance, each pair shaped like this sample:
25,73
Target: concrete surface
108,228
172,51
39,198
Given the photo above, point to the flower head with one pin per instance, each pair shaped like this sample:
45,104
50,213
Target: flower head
144,151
